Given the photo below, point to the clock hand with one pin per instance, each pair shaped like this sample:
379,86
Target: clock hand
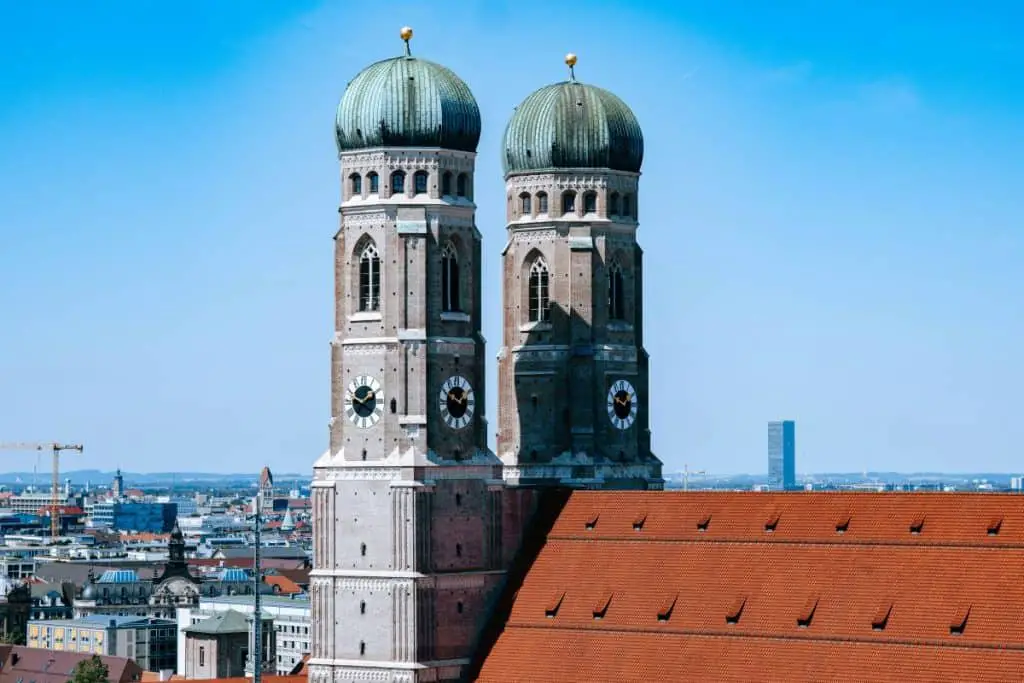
369,396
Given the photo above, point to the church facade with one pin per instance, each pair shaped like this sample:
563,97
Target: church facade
416,521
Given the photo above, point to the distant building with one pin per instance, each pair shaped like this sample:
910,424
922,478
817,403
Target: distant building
123,592
782,455
30,502
267,490
150,642
15,608
157,518
218,647
291,626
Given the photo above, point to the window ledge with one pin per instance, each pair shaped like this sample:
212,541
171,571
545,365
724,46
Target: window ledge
366,317
455,317
618,326
535,327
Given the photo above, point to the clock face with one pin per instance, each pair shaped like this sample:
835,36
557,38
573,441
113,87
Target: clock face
622,404
365,401
457,402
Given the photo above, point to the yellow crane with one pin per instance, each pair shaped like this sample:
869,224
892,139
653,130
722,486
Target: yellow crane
56,449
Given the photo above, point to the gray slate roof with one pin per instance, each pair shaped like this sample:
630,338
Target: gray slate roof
224,622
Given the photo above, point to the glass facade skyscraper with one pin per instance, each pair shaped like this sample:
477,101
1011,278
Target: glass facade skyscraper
782,455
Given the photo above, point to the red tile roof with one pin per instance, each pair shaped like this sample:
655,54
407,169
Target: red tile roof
670,586
282,585
52,666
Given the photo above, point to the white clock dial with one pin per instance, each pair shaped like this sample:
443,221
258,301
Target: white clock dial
364,401
456,402
622,404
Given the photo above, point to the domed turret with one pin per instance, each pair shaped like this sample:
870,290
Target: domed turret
407,102
572,125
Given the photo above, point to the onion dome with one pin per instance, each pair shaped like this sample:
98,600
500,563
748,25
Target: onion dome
407,102
572,125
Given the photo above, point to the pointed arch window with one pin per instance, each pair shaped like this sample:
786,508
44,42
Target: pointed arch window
419,181
590,202
369,278
397,183
461,185
539,303
450,299
627,206
356,184
374,181
616,294
542,202
446,184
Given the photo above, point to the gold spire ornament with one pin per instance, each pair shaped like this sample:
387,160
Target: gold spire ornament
406,34
570,61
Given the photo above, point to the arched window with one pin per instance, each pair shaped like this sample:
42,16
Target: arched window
524,204
450,278
613,204
369,279
590,202
538,294
542,202
398,183
356,184
616,295
461,184
568,202
627,206
446,184
374,181
419,181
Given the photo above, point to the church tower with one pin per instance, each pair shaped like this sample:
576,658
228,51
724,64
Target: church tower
407,499
573,372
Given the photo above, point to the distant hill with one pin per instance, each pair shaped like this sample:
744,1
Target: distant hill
101,477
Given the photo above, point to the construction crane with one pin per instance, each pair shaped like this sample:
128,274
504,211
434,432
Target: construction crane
687,473
56,449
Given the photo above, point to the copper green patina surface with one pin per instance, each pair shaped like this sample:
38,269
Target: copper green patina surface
572,125
407,102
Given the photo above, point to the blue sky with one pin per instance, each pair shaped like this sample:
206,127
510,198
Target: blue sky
831,210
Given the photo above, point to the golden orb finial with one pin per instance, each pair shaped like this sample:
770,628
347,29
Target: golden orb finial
570,61
406,34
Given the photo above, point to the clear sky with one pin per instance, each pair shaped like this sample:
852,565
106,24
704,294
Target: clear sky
832,210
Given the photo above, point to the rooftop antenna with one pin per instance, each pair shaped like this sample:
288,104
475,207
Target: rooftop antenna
406,34
570,61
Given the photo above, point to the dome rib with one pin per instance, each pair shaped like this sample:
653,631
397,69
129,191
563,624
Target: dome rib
572,125
407,102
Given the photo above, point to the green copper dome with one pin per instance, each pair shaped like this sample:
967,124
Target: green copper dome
572,125
407,102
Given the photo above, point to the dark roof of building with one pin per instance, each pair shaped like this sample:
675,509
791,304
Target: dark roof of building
572,125
52,666
224,622
407,102
669,586
78,572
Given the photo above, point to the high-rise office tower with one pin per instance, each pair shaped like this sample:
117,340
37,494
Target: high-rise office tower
782,455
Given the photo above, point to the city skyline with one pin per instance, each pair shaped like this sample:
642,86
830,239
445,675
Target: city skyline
841,234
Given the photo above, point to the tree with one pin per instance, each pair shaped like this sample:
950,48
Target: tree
91,670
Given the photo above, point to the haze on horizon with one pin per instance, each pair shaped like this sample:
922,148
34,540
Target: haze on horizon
830,210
